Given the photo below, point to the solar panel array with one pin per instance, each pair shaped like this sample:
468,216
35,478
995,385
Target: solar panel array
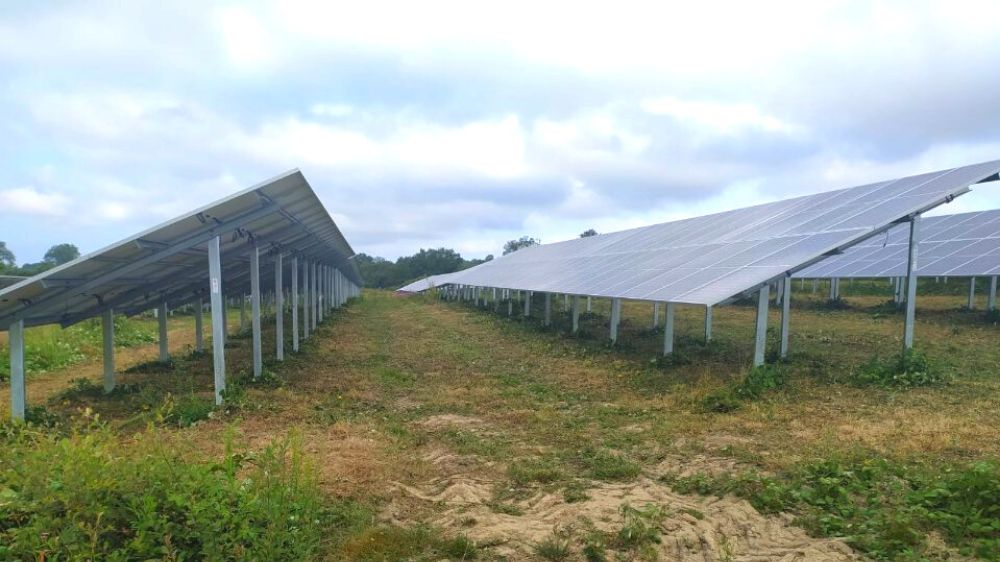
427,283
169,263
962,245
706,260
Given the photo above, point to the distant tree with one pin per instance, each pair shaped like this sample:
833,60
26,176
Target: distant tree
61,253
7,259
29,269
588,233
385,274
489,257
519,244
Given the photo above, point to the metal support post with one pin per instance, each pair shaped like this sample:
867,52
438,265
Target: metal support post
279,309
295,304
576,313
668,330
760,342
991,303
911,283
786,310
548,309
656,315
708,323
972,293
258,362
616,313
18,393
108,331
218,313
199,328
164,345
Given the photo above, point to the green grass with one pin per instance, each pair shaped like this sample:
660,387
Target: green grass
883,508
85,495
48,348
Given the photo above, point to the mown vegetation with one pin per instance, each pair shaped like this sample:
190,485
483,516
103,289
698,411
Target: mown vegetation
895,455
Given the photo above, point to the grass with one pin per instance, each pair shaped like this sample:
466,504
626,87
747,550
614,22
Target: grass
417,392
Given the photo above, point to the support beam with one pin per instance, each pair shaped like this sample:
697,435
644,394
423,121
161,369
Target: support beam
576,313
786,310
306,323
616,315
295,305
668,330
199,325
911,283
18,393
313,297
590,305
656,315
258,362
548,309
108,331
218,313
279,309
527,304
760,340
991,302
972,293
164,345
708,323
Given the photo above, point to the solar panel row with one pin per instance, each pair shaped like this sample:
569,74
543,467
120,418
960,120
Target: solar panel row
707,260
962,245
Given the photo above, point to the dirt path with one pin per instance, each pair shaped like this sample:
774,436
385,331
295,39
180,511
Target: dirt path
433,409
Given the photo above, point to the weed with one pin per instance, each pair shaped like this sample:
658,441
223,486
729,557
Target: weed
553,548
542,471
641,526
605,465
907,370
755,385
89,496
883,509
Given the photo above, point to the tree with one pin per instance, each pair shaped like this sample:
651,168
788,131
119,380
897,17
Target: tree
588,233
520,243
7,259
489,257
61,253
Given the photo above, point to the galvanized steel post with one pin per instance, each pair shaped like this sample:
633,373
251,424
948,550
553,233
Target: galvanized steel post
218,313
108,331
760,341
616,313
708,323
279,309
164,344
258,362
18,393
911,283
668,330
786,309
295,304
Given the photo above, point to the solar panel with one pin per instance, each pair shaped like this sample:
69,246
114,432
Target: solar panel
962,245
168,263
706,260
8,280
426,283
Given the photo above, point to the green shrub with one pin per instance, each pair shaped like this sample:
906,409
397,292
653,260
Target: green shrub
89,496
755,385
906,370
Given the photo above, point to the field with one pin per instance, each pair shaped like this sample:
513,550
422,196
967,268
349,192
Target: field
415,429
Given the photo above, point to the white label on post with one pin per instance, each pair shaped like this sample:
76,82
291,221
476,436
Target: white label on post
215,285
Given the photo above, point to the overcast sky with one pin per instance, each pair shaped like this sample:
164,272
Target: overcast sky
465,124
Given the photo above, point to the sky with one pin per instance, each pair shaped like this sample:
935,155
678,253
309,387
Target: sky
465,124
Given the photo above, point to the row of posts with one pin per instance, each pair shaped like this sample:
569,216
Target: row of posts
905,289
315,289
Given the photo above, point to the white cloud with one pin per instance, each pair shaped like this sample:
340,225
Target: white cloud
30,201
715,117
331,109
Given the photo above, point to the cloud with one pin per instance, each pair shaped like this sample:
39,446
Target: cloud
457,125
30,201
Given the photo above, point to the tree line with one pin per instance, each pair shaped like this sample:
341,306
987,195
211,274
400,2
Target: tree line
387,274
56,255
